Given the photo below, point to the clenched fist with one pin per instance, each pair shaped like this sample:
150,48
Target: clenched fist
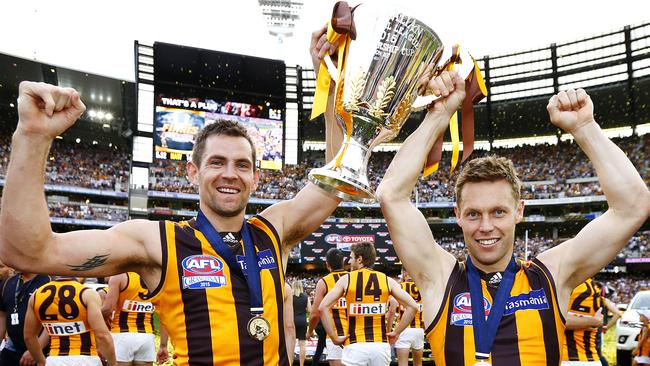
571,109
47,110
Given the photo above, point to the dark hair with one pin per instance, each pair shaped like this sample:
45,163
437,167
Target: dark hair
334,258
365,251
219,127
490,169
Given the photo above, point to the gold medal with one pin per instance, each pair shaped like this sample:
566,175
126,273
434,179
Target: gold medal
481,363
259,328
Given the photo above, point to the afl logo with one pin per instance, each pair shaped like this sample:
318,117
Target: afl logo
202,265
463,304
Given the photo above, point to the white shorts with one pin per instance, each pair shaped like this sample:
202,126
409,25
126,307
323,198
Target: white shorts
366,354
642,359
334,352
139,347
73,361
411,338
581,363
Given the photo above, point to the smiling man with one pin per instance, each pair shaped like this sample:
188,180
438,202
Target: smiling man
526,301
217,280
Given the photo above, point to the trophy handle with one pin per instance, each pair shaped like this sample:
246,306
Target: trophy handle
463,68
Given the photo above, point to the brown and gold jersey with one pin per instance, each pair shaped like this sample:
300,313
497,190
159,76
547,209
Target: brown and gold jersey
412,289
205,305
644,341
530,332
133,313
367,300
59,307
580,345
340,309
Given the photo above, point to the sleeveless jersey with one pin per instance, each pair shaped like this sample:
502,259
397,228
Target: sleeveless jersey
340,309
204,304
581,345
412,289
133,314
530,331
59,307
367,300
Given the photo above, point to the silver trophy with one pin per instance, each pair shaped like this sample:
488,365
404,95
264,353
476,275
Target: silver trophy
379,92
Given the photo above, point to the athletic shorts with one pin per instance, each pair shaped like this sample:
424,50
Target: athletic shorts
334,352
139,347
73,361
642,359
366,354
411,338
581,363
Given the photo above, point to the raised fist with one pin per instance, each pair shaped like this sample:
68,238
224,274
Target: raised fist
571,109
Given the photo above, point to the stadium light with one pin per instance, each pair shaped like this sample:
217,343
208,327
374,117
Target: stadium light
108,116
92,112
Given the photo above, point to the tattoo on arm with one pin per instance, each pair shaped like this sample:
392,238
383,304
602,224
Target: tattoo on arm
91,263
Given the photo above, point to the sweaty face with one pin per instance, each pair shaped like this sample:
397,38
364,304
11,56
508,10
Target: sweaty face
488,213
225,177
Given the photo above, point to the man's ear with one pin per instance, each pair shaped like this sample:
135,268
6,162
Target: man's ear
192,173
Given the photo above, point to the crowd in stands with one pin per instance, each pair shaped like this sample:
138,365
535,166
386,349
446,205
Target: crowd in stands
544,169
80,165
86,211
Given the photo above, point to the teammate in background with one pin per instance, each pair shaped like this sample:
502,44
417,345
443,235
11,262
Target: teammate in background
71,314
488,207
301,305
289,324
203,294
642,350
14,298
583,323
412,338
131,320
339,312
366,293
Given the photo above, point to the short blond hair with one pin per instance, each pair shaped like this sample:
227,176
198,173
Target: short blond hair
489,169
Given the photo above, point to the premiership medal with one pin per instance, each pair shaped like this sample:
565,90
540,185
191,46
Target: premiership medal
259,328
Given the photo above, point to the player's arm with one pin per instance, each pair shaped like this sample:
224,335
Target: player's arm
27,242
328,301
289,323
627,196
163,353
422,257
410,308
314,315
616,314
577,322
116,284
393,305
103,336
31,331
298,217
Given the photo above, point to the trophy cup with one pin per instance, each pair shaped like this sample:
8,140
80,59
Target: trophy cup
376,93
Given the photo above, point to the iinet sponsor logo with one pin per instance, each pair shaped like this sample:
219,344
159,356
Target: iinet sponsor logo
65,329
368,308
138,307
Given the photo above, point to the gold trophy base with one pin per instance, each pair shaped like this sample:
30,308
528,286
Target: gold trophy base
347,188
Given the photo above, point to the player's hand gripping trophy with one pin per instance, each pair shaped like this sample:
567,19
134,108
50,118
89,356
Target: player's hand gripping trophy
382,59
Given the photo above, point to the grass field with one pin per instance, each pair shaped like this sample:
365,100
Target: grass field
609,348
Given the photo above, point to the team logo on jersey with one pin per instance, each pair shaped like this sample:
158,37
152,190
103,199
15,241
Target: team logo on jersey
461,314
359,308
265,260
202,271
138,306
65,329
341,303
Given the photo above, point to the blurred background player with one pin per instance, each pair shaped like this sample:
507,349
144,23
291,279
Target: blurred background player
642,351
334,262
412,338
301,304
366,293
131,320
71,315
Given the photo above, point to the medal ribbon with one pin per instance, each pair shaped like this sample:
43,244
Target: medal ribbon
485,331
252,273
